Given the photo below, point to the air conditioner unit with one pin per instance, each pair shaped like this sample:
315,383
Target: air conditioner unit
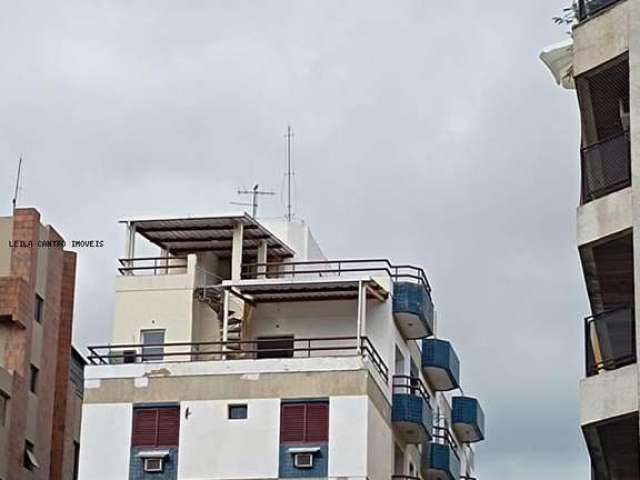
303,460
129,356
152,465
625,116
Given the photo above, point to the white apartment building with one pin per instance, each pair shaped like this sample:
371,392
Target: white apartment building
602,63
240,351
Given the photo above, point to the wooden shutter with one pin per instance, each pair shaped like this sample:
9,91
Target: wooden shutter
292,422
168,426
145,422
156,427
317,422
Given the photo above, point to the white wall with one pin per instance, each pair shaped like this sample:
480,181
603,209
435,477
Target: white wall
105,441
211,446
348,436
379,446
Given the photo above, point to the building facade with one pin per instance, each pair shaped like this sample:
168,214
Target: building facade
602,64
37,419
240,352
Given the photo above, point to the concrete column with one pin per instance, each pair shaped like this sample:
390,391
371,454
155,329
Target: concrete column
262,258
359,319
236,252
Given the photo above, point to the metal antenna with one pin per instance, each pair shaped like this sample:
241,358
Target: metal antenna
15,193
254,192
289,136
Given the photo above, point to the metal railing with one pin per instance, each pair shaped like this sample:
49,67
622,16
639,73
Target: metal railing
404,477
337,268
151,265
610,340
407,384
443,436
238,349
606,167
588,8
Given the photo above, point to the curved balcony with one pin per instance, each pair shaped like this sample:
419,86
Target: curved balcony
440,364
440,462
413,309
467,419
411,412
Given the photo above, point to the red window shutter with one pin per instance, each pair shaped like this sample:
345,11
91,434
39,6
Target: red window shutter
145,421
168,427
317,424
292,421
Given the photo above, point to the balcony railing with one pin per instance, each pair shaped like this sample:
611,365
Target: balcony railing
336,268
588,8
407,384
404,477
610,340
233,350
606,167
152,265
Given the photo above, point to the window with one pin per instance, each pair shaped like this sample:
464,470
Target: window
33,379
303,460
76,459
4,408
304,422
155,427
237,412
30,462
275,347
39,309
152,341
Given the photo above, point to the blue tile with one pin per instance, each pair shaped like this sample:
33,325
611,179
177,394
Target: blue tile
439,354
467,416
136,465
413,299
437,457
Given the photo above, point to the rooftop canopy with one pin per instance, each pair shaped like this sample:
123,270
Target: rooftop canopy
208,234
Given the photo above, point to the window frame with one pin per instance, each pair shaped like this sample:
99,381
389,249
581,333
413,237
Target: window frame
155,353
233,406
4,408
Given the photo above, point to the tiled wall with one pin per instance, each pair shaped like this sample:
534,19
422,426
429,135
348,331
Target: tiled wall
136,466
320,462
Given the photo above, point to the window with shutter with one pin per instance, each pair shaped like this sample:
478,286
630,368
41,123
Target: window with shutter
304,422
156,427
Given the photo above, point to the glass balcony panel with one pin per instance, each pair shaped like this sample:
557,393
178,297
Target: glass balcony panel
610,339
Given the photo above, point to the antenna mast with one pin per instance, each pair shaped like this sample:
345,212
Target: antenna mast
254,192
15,193
289,136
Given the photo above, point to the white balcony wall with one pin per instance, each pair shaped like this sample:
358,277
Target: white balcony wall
348,435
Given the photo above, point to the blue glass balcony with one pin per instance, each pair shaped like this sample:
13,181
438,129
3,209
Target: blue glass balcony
412,309
411,412
440,462
440,364
467,419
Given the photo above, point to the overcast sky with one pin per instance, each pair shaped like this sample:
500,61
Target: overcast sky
428,132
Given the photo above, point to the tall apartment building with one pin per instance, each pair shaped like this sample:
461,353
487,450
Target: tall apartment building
241,352
602,64
40,374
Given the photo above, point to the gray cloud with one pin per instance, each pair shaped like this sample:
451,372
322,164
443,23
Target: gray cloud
425,131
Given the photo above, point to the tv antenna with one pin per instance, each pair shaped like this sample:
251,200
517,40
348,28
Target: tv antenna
17,189
289,137
254,192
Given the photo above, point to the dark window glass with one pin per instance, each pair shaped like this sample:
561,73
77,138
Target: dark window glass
29,459
238,412
304,422
156,427
76,459
4,408
39,309
33,379
275,347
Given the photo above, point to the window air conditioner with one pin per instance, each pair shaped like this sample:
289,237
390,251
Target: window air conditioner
303,460
153,465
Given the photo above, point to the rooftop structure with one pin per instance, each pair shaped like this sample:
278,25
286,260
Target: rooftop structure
240,351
